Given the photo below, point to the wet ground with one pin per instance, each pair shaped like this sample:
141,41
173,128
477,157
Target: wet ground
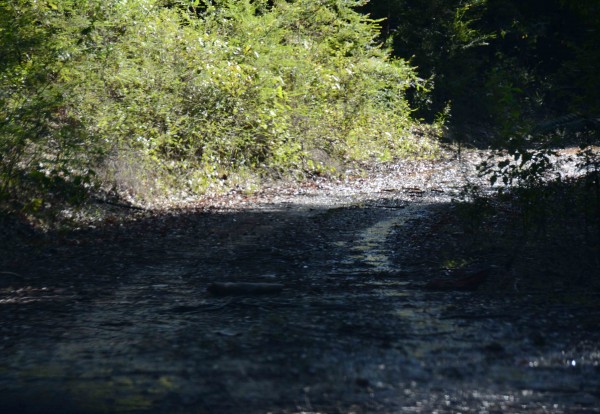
117,318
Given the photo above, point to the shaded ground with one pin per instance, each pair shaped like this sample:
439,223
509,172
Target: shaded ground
117,318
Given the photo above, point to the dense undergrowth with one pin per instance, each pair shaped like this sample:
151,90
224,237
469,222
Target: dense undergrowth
153,98
540,241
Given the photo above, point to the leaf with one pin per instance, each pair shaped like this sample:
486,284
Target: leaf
280,92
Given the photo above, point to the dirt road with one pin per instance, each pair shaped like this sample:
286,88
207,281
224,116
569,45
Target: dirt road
117,319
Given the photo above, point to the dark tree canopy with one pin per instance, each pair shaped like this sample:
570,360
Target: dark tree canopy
487,55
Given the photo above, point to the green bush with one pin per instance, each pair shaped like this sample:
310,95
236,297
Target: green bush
192,93
45,146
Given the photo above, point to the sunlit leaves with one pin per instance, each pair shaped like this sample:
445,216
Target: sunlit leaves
195,89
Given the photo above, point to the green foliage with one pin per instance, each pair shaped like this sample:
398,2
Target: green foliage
515,67
529,162
196,91
43,146
446,41
525,168
503,63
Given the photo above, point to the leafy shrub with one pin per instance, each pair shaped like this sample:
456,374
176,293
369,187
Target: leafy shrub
197,91
44,145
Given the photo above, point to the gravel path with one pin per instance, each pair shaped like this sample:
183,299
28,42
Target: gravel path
117,318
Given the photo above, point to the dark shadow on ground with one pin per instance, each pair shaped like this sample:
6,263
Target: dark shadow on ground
118,319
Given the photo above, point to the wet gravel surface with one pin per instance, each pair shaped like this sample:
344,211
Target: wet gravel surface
117,318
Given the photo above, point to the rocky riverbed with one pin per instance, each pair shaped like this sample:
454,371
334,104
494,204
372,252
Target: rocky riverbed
116,317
